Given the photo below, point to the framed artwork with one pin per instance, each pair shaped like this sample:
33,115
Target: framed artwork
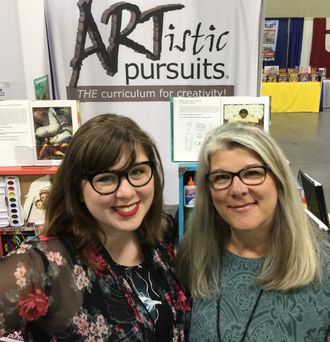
36,132
54,123
254,110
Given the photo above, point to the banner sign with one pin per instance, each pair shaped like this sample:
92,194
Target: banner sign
154,43
270,39
131,57
320,52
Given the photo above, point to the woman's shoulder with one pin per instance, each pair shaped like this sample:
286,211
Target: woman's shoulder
325,257
324,245
44,247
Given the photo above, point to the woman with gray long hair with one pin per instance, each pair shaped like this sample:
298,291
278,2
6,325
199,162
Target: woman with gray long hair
257,269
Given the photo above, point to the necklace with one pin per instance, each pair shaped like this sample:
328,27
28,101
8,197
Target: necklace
248,321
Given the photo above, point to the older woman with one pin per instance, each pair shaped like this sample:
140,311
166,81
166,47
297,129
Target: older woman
256,267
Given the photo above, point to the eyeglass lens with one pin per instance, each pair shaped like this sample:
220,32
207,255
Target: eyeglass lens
249,176
108,182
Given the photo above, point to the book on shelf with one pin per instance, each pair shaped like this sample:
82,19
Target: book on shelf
271,69
193,117
293,75
36,132
304,69
322,73
36,201
314,197
282,77
303,77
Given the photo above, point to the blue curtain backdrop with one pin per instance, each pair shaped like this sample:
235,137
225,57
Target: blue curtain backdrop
295,41
281,44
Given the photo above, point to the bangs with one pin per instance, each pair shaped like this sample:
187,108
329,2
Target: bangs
102,156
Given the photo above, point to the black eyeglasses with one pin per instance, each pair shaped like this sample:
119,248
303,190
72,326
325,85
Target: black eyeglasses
106,182
253,175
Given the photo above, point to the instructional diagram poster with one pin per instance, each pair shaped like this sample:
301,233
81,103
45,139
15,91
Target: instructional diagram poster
193,118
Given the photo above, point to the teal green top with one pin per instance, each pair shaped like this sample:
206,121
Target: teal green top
297,316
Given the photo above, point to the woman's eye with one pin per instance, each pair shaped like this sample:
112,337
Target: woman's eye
106,178
137,172
220,177
252,173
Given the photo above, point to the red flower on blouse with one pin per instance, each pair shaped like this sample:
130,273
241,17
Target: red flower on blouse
96,261
33,305
181,300
171,251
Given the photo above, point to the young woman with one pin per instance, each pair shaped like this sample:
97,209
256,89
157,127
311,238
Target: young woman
102,270
256,267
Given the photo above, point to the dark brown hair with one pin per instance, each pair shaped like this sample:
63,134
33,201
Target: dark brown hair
97,145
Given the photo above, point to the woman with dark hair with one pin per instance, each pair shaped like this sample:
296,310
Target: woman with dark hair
101,271
257,269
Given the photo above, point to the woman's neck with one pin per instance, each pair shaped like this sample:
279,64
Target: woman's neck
124,248
248,244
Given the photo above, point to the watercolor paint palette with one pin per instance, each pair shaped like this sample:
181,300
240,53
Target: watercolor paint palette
4,215
14,208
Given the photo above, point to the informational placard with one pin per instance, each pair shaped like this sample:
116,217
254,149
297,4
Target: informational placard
36,132
192,118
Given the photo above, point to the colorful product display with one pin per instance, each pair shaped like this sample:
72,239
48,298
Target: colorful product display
13,194
4,216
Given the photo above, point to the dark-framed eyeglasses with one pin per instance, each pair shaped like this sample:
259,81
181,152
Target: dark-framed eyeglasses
106,182
252,175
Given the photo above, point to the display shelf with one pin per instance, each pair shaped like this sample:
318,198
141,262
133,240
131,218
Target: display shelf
25,176
15,230
28,170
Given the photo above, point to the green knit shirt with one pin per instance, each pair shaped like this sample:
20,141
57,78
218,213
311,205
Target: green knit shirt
297,316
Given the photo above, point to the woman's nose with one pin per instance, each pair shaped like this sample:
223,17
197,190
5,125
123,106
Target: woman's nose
237,186
125,188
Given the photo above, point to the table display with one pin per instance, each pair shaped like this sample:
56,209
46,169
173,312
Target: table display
293,96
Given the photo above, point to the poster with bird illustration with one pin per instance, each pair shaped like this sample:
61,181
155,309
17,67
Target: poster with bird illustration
54,123
36,132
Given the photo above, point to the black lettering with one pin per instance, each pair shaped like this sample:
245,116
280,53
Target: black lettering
118,35
218,67
222,35
172,68
157,14
87,25
135,67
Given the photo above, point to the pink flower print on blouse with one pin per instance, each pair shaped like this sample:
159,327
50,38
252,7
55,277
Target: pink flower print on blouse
22,248
80,278
99,328
20,275
93,328
55,257
81,321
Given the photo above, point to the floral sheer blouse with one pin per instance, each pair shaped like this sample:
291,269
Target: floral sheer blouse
49,294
